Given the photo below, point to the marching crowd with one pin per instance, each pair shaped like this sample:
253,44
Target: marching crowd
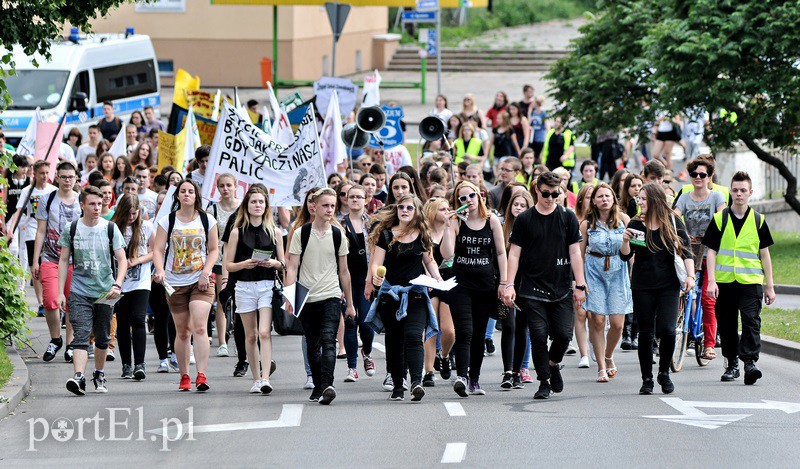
541,249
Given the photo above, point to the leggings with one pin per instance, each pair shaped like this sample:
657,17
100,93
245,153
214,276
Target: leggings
470,309
657,313
238,337
164,330
131,313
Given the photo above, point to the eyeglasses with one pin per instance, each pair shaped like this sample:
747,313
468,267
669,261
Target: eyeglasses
67,178
355,197
697,175
507,170
465,198
548,194
405,208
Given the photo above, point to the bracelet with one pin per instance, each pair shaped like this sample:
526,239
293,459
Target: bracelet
115,285
509,285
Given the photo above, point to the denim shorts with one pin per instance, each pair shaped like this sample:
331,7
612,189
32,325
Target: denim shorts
85,317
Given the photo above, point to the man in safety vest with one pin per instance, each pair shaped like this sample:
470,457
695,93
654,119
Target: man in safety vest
559,147
711,185
738,261
588,172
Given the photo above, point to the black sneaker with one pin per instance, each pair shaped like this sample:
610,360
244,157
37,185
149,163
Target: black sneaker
99,380
272,367
315,395
52,348
506,383
397,395
751,373
77,385
240,369
516,381
127,372
634,343
490,348
328,395
647,387
417,393
446,368
437,361
427,381
138,372
556,381
68,355
544,391
666,382
731,373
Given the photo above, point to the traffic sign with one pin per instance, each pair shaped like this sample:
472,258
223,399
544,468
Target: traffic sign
414,16
391,134
337,16
427,5
433,46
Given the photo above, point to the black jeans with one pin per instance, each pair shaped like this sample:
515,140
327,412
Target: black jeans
404,337
131,313
164,326
354,328
733,299
656,313
320,321
508,338
543,319
470,310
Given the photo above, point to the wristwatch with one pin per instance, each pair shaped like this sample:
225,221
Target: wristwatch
581,287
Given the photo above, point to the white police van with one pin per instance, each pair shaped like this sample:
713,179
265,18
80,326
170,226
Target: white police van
120,68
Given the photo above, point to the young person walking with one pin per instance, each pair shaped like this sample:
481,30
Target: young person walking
223,210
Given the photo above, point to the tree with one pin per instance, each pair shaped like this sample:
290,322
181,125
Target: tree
637,59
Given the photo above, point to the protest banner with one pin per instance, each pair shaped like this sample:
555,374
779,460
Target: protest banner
27,146
45,131
281,128
346,89
371,94
205,127
331,144
171,150
183,83
202,102
244,150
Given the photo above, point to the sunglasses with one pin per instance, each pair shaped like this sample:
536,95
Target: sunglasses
463,175
366,163
405,208
343,194
465,198
696,175
548,194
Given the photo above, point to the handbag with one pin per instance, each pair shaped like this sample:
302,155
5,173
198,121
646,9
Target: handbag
284,323
680,266
500,312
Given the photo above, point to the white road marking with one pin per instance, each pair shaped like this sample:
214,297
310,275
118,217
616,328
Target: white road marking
455,409
454,453
379,347
690,413
290,417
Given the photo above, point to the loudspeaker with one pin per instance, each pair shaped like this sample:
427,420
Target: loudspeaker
431,128
353,137
370,119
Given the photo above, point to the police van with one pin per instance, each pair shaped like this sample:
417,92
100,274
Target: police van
120,68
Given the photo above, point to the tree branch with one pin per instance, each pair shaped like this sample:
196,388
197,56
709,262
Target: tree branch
772,160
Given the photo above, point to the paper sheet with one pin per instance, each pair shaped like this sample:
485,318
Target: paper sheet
430,282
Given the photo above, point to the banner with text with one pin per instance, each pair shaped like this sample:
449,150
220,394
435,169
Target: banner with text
202,103
346,89
244,150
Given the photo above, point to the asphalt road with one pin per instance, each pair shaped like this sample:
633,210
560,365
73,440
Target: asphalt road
588,424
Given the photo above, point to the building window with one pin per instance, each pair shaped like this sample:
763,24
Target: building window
325,66
358,61
161,6
122,81
166,68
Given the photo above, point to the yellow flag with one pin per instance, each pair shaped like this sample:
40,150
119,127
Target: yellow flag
183,83
171,149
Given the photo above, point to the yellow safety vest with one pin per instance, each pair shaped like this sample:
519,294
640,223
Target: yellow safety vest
576,185
473,148
714,187
568,163
738,259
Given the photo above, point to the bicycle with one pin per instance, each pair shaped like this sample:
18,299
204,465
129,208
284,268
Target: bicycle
689,324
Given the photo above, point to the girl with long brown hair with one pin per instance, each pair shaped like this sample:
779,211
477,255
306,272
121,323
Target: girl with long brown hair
582,206
655,285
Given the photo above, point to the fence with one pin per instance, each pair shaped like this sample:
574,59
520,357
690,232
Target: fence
774,183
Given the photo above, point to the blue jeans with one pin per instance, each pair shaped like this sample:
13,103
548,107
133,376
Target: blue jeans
352,328
490,328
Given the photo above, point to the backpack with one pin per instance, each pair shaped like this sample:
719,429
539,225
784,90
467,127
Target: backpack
73,229
171,226
305,235
726,213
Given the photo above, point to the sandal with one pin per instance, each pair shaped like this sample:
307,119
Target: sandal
709,353
602,376
611,370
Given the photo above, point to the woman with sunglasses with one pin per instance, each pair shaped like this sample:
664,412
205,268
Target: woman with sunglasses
479,249
342,205
402,244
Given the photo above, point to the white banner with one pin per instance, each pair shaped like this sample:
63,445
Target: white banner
281,128
332,146
346,89
27,146
371,95
244,150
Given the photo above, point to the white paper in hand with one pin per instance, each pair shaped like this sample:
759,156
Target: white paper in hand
430,282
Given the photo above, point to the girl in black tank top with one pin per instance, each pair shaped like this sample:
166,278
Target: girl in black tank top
476,249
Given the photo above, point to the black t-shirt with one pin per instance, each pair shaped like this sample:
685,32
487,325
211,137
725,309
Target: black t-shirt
656,270
357,255
713,236
250,238
503,146
403,261
555,150
474,262
545,272
633,208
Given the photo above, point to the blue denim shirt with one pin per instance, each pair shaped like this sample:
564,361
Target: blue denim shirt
400,294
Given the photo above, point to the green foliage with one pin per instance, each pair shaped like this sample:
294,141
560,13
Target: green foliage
34,23
785,254
5,368
781,323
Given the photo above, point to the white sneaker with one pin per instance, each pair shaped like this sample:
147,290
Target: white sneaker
352,375
256,389
309,383
571,350
266,388
110,356
222,351
163,367
191,355
584,362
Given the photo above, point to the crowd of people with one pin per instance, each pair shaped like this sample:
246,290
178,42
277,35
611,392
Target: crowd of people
539,246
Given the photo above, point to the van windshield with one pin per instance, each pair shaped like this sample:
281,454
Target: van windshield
30,89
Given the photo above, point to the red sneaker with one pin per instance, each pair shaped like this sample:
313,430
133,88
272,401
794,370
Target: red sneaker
201,382
186,383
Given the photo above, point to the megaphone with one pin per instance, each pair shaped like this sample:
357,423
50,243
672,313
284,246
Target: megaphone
431,128
353,137
370,119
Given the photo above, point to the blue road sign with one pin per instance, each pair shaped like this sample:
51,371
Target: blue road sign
427,5
433,46
391,134
419,16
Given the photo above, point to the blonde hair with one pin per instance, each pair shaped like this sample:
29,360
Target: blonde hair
483,212
431,208
243,216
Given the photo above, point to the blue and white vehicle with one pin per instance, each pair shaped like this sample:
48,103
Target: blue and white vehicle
120,68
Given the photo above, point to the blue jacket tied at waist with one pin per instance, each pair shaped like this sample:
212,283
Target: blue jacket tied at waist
400,294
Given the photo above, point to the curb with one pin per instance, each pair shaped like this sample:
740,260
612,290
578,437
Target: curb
787,289
780,348
18,386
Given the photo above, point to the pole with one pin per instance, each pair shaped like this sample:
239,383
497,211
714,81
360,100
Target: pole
438,51
333,54
56,135
275,45
422,78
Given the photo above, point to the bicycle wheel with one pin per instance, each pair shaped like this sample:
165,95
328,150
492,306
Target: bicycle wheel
681,336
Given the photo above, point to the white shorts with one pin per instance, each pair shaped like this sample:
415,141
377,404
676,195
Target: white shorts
252,296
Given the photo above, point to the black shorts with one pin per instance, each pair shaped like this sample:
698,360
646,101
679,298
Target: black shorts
671,136
217,269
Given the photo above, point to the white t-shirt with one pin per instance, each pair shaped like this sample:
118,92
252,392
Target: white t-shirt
149,201
187,250
138,276
66,152
27,221
84,151
200,179
398,156
85,176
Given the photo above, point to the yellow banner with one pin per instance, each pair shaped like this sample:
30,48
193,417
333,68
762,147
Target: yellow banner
356,3
202,102
183,83
171,149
